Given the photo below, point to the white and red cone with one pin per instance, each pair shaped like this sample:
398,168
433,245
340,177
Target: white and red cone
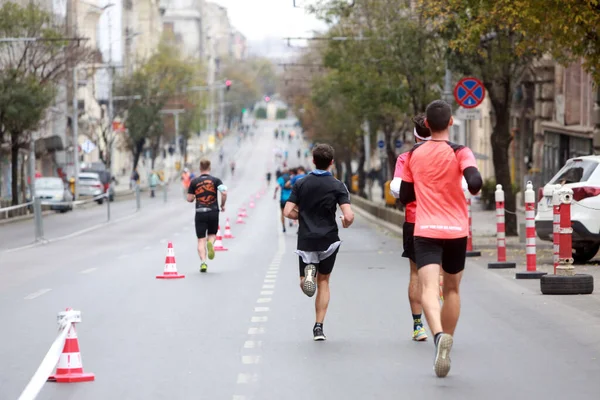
218,245
70,368
240,220
228,234
170,271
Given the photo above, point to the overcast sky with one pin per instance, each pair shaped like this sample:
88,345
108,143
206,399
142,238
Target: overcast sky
258,19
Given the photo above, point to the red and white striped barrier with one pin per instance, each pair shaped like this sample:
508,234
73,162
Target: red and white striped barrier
530,247
470,251
500,233
565,252
555,225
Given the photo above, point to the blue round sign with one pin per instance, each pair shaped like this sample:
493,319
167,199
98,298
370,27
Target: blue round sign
398,143
381,144
469,92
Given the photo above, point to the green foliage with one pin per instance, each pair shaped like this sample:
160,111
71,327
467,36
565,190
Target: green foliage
261,113
281,113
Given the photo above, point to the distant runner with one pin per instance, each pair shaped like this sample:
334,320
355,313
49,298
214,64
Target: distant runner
203,190
285,192
433,173
313,202
232,166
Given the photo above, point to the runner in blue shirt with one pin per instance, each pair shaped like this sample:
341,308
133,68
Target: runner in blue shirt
283,183
300,173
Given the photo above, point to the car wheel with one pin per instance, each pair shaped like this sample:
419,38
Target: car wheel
584,254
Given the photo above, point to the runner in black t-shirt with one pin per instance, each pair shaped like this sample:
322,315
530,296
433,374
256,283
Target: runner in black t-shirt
203,190
313,202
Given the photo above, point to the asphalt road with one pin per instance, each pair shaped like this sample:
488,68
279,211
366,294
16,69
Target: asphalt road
244,330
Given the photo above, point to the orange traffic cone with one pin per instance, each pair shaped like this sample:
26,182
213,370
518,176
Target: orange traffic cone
170,271
240,220
69,368
228,234
218,246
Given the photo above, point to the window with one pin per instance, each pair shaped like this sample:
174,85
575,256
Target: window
575,171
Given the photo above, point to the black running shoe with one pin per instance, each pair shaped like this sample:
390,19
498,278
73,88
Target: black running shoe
318,334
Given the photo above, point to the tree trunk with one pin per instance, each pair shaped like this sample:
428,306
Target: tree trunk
361,171
500,143
137,152
348,175
14,165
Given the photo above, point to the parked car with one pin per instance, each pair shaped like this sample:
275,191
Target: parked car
54,192
581,175
91,185
106,179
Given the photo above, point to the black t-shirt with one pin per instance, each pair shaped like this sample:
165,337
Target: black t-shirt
317,197
205,188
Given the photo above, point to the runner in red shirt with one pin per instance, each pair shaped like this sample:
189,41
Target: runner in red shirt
421,133
432,176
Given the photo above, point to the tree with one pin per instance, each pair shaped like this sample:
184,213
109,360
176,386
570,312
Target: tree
483,44
148,90
245,88
30,71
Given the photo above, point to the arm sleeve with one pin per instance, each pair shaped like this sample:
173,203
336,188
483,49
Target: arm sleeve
343,195
468,166
407,192
397,181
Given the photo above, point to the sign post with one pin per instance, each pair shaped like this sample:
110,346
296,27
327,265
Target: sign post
469,92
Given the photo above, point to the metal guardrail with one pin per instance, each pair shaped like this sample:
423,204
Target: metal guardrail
6,210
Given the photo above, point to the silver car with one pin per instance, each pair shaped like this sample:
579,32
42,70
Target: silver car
52,192
90,185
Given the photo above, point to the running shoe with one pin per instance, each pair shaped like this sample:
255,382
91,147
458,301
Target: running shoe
318,334
420,334
309,287
441,365
211,250
203,267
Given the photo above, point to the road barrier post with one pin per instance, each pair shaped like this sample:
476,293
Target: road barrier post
470,251
137,197
555,225
38,220
500,233
107,207
565,280
531,254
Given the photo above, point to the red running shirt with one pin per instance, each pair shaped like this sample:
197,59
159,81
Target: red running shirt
436,169
411,208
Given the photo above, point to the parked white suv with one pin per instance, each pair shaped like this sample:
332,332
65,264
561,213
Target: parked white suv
581,175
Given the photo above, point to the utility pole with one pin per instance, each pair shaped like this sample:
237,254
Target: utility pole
75,129
221,109
110,101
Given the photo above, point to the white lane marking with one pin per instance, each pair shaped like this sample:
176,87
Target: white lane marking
266,293
37,294
259,319
271,277
247,378
261,309
87,271
238,397
268,286
246,360
269,280
252,344
264,300
256,331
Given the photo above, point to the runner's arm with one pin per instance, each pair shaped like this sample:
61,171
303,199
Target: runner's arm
290,210
191,195
223,190
407,188
343,199
468,166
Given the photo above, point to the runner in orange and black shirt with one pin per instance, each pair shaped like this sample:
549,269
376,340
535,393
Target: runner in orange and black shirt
203,190
432,176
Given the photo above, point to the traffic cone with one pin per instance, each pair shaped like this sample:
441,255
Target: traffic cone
228,234
240,220
170,271
218,246
257,196
242,213
69,368
251,204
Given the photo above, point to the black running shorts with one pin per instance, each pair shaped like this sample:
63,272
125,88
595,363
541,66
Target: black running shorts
282,203
408,237
324,267
449,253
207,222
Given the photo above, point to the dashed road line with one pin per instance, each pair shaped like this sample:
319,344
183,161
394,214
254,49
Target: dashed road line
246,360
259,319
266,293
268,286
252,344
89,270
245,378
37,294
261,309
264,300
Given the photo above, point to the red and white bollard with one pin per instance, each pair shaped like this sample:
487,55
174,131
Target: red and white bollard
565,252
470,251
500,233
555,225
531,272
